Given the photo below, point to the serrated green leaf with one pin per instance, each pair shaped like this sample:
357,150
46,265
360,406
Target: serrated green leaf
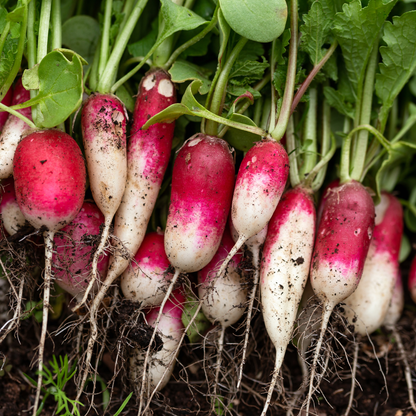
337,100
399,60
316,28
199,48
7,58
182,71
30,78
280,47
247,72
356,30
237,91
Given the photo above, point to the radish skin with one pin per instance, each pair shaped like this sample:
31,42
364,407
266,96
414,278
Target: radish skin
50,181
13,131
411,282
147,277
284,270
260,182
12,217
170,329
71,259
7,100
147,159
343,239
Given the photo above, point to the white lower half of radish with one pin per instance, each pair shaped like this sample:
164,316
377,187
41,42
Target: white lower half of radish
283,276
394,312
12,217
368,305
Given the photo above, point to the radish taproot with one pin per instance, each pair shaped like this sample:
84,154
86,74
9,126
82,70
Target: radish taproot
342,242
147,277
73,247
13,131
284,270
50,180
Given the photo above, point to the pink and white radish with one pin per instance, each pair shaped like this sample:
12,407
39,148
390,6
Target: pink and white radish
343,239
50,180
284,270
103,124
147,277
170,329
223,299
260,182
12,217
148,156
411,281
7,100
72,257
13,131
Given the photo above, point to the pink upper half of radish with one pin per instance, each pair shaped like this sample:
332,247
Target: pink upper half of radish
13,131
7,100
260,183
146,278
150,149
324,197
10,212
202,186
73,245
411,282
50,178
103,124
342,242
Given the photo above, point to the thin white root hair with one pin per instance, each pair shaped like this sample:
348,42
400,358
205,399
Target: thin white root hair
218,367
241,240
278,364
48,236
353,374
252,296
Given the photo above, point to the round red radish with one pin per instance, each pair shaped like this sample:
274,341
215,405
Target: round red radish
202,186
7,100
12,217
146,278
49,174
72,261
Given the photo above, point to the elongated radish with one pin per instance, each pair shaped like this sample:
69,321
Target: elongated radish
260,182
284,270
103,125
12,217
368,305
147,277
223,299
411,282
343,239
50,180
325,195
13,131
7,100
147,159
170,329
72,257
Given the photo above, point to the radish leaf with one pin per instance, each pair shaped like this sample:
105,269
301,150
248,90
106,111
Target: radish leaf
182,71
143,46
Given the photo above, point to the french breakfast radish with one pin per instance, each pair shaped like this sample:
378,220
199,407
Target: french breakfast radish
342,242
148,156
170,329
50,180
284,270
72,257
12,217
13,131
260,182
7,100
411,281
146,278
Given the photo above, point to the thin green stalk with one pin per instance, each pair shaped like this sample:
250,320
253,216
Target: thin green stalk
106,80
358,159
80,6
31,37
134,60
45,17
189,4
258,108
3,36
272,125
127,9
192,41
56,25
309,134
93,77
211,127
285,111
291,150
345,153
10,110
266,113
105,38
393,119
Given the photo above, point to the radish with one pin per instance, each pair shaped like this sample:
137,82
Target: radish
341,247
148,157
411,282
71,260
284,270
170,329
50,180
259,185
13,131
12,217
103,124
7,100
146,278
